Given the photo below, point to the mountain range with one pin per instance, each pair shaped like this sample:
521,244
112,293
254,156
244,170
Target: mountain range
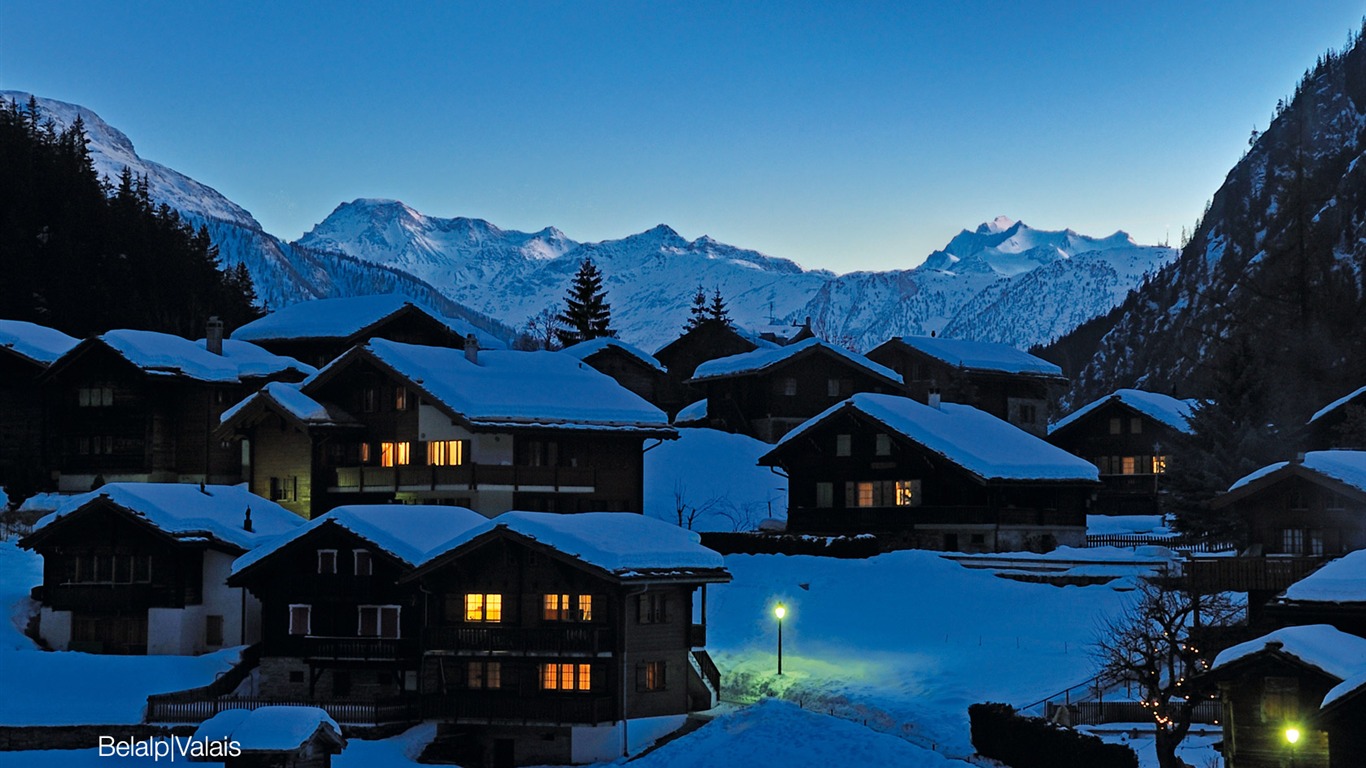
1003,281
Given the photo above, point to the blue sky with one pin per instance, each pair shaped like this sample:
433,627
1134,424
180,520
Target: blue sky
842,135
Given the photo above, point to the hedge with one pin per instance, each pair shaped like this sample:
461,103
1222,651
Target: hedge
1032,742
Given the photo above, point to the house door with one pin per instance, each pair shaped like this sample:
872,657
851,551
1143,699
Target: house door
503,753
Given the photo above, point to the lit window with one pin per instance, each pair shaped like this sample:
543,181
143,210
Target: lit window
825,495
566,677
327,561
650,676
556,607
394,454
864,494
567,607
378,621
365,453
882,493
907,493
843,445
300,619
400,398
484,674
884,444
365,564
1159,465
484,607
585,607
446,453
1128,465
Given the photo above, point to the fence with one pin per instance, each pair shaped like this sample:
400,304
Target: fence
1099,712
1183,543
373,712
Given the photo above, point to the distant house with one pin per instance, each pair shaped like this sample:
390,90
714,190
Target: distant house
273,737
141,568
767,392
1128,435
707,341
630,366
1340,424
139,406
1334,594
1292,678
565,638
335,623
490,430
26,351
1003,381
318,331
935,477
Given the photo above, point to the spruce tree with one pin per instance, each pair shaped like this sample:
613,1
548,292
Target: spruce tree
697,314
717,312
586,315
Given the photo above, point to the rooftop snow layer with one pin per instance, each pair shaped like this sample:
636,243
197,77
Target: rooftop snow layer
1336,404
1318,645
165,354
619,542
1351,685
760,359
693,412
507,387
343,318
1168,410
972,439
585,349
36,342
273,728
296,403
184,511
406,531
1347,467
1340,581
981,355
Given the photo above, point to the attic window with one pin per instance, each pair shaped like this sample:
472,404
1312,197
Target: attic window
327,561
843,444
365,564
786,386
369,399
884,444
95,397
401,399
1135,426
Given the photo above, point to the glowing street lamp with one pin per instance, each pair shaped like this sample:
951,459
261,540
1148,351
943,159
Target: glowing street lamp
780,611
1292,737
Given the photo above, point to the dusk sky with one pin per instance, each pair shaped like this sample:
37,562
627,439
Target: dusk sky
845,136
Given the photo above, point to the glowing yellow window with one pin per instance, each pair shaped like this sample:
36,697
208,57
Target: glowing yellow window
906,493
1159,465
585,607
394,454
556,607
483,607
445,453
865,494
567,677
1129,465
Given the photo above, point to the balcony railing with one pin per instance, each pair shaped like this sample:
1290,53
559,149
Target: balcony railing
1248,574
167,709
470,477
538,640
550,708
110,597
360,648
896,519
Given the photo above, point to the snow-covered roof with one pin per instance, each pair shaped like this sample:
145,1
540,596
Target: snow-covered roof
1336,404
1347,467
289,399
981,355
406,531
44,502
693,412
1318,645
763,358
345,317
511,389
163,354
185,512
1340,581
1163,408
1352,685
622,543
974,440
269,729
37,343
586,349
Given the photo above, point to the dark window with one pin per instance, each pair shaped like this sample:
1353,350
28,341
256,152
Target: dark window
213,630
327,561
1116,425
650,676
378,621
369,399
651,609
484,674
300,619
1135,426
365,565
296,676
341,682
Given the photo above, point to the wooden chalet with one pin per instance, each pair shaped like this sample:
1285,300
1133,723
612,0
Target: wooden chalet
271,737
1003,381
140,406
943,476
565,638
1128,435
141,568
1339,425
767,392
629,366
1334,594
1292,679
336,626
1296,515
317,332
707,341
26,351
490,430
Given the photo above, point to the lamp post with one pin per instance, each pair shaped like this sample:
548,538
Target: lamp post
1292,737
780,611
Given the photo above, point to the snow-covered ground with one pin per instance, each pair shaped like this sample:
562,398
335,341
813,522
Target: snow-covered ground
713,474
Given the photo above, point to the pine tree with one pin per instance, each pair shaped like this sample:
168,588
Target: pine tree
586,315
717,312
697,314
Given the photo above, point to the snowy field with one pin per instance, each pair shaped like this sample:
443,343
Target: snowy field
715,476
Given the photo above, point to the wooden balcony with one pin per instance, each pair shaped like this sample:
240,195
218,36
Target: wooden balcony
1248,574
346,648
514,708
170,708
900,519
467,477
548,641
115,597
697,635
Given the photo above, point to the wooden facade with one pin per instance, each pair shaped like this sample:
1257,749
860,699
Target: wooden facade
1339,425
1024,398
407,323
633,372
681,357
24,448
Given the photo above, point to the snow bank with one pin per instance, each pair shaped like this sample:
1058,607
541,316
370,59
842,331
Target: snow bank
1120,525
275,728
718,478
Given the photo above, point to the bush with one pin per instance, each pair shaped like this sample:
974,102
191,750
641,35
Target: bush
1032,742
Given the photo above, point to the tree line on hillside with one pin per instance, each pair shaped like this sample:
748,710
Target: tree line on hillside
86,254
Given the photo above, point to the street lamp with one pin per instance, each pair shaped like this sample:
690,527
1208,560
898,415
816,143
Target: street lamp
1292,737
780,611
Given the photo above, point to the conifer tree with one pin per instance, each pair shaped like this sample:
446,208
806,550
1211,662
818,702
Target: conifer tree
586,315
697,314
717,312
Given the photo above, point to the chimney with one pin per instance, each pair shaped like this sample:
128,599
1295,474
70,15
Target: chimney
934,398
213,336
246,521
472,349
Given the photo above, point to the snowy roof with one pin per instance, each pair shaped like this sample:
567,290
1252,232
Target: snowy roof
34,342
163,354
763,358
1336,404
693,412
586,349
1352,685
1347,467
185,512
344,318
406,531
273,728
623,543
1325,648
510,389
289,399
1340,581
981,355
974,440
1163,408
